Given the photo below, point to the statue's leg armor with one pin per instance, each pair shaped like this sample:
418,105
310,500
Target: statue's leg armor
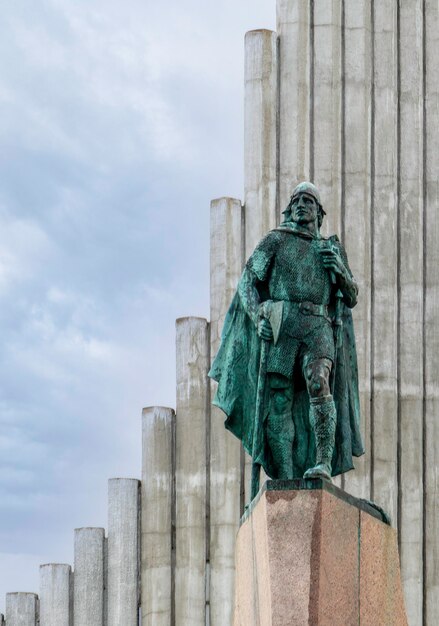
280,426
323,419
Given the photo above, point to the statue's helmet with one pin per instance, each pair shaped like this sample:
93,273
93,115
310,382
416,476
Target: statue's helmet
311,190
308,188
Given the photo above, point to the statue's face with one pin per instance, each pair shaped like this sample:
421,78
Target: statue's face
304,209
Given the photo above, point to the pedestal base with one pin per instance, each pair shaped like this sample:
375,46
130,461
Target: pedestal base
309,554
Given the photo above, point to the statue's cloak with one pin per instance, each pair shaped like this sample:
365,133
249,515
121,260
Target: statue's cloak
236,369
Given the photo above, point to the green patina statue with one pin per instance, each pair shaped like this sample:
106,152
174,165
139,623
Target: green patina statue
287,366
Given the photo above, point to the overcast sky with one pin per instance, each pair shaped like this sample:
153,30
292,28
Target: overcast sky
119,121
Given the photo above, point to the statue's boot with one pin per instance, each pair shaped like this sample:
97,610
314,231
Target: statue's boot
280,437
323,419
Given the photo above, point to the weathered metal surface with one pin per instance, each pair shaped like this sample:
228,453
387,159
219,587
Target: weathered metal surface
310,277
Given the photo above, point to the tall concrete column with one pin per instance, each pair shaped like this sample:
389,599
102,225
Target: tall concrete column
431,291
88,588
260,125
326,129
191,463
55,594
326,140
226,256
123,552
158,425
260,149
411,232
21,609
295,71
356,233
384,311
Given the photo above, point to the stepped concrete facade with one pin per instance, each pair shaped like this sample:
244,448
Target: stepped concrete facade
345,94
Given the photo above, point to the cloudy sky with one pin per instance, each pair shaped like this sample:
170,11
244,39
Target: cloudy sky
119,121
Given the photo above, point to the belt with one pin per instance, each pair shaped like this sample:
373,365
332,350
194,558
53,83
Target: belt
309,308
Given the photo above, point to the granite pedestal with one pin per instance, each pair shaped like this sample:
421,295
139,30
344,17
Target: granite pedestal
307,553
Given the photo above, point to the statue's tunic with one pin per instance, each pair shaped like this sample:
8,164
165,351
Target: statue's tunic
291,267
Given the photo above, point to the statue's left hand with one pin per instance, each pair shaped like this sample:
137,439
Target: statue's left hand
264,327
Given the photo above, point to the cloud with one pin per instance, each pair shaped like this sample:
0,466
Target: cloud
119,122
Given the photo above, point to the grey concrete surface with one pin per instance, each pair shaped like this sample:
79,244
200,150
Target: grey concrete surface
293,28
385,262
88,578
55,594
260,128
191,506
158,425
411,305
326,145
21,609
326,105
226,258
123,551
357,208
431,313
260,151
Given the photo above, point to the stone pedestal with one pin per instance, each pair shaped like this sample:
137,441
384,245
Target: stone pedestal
307,553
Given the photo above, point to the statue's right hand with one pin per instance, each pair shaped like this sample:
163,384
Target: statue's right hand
264,329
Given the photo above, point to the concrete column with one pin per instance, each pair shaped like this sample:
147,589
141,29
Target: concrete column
21,609
294,29
55,594
326,143
384,261
326,131
226,254
357,208
88,589
260,125
411,305
431,417
123,544
191,521
158,424
260,150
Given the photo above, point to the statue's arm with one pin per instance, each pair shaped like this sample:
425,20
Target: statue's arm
346,281
336,261
349,288
255,272
249,294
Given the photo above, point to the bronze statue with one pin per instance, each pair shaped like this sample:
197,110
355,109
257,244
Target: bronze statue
286,368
